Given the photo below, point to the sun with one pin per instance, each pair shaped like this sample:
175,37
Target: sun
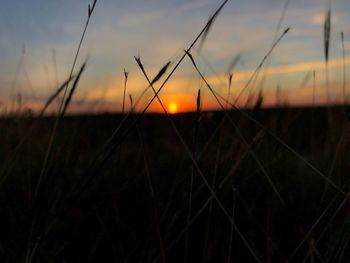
172,108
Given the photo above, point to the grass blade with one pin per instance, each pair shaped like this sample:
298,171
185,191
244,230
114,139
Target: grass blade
327,33
344,68
55,95
161,72
239,133
72,90
255,73
126,74
115,141
200,173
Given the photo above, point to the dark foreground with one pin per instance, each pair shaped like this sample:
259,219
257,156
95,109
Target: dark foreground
272,195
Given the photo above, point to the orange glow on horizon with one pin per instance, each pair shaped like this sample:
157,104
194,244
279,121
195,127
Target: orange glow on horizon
174,103
172,108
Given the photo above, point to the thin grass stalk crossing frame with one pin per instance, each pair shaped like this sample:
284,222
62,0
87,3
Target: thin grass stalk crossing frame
60,112
90,11
195,164
194,151
55,95
341,205
153,196
234,199
126,74
344,68
113,141
279,140
278,27
72,90
256,159
256,71
289,148
313,115
53,134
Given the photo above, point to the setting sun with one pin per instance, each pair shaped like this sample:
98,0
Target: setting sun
172,108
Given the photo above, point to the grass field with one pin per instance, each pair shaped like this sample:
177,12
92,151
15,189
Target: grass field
237,184
135,207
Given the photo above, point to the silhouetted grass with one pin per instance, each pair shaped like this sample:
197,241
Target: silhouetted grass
233,185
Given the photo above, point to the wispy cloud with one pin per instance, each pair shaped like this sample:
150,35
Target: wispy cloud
141,18
194,5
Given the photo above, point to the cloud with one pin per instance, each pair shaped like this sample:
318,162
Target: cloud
194,5
242,76
140,18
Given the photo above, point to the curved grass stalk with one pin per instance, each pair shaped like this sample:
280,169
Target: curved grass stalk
253,155
196,166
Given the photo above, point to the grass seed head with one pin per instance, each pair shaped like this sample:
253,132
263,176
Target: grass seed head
161,72
327,33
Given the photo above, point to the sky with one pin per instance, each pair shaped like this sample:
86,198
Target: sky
39,38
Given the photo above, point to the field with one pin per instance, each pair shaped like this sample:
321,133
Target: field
250,200
236,184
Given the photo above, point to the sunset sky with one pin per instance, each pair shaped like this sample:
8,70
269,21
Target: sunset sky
39,38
